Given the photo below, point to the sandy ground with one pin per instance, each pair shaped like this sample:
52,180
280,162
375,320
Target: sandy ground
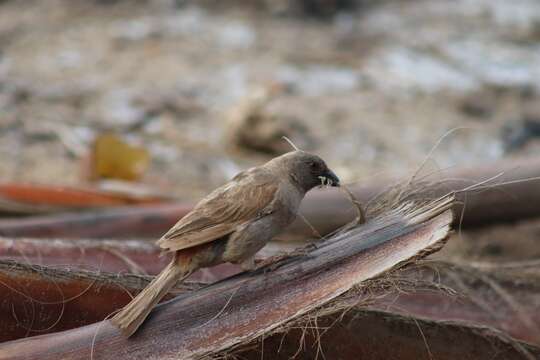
375,88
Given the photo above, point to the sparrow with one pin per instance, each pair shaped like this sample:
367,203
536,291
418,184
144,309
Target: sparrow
231,224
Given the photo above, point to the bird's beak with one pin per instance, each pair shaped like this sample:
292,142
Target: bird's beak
331,177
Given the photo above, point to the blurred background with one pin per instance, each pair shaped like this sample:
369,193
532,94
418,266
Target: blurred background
172,98
116,116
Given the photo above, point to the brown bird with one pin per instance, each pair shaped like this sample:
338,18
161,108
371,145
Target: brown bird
231,224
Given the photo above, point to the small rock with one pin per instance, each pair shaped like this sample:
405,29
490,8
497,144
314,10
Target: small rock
479,105
321,9
69,59
318,80
236,36
252,126
516,134
161,102
496,63
134,30
188,21
395,69
119,109
164,153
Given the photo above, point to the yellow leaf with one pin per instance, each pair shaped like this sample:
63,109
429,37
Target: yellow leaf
116,159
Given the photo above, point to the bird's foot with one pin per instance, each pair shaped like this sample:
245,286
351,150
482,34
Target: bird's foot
248,264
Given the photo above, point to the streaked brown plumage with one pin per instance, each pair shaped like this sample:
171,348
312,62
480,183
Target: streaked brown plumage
231,224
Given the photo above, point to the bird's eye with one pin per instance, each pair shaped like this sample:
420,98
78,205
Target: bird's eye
313,165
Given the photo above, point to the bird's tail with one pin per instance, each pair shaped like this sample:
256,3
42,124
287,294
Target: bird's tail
133,314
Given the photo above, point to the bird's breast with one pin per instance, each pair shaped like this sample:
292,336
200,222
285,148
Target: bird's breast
287,206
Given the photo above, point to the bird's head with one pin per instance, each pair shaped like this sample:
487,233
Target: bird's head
304,169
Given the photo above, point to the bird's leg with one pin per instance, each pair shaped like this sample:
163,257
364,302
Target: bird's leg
248,264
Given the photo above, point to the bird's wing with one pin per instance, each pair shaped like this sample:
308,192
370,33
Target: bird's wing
247,196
